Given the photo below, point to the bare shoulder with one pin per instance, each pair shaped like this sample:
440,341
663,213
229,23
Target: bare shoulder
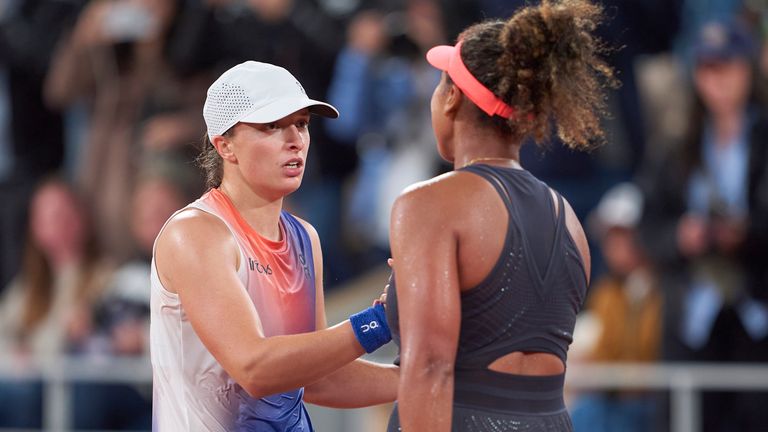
191,227
194,236
445,193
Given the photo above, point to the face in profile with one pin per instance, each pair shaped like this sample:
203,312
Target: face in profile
56,220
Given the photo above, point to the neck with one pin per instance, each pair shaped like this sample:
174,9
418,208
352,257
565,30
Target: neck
510,162
262,214
484,145
727,127
61,259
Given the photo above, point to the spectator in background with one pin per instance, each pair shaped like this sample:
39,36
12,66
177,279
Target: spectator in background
57,306
122,313
757,12
706,224
625,308
46,311
31,136
695,14
113,61
584,177
383,86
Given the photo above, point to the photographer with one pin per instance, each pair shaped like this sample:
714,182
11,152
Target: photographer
113,65
705,224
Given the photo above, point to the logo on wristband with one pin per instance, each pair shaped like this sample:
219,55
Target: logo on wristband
370,326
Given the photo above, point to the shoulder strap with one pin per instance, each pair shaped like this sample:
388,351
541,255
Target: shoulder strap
301,240
493,178
560,211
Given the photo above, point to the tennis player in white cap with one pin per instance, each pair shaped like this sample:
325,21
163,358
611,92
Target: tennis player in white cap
238,334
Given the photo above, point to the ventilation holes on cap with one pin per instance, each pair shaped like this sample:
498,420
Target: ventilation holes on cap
226,105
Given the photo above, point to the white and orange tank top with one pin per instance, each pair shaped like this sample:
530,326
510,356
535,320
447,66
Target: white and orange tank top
191,391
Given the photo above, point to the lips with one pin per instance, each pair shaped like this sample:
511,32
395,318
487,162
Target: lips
293,167
294,163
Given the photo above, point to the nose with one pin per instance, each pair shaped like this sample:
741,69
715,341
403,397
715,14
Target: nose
294,138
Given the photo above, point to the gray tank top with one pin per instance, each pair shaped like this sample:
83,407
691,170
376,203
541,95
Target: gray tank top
529,300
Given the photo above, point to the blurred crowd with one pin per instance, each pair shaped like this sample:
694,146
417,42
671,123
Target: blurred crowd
100,124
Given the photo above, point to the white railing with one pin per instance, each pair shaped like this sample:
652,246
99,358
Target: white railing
684,381
58,375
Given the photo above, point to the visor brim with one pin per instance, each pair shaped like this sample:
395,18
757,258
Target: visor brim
440,56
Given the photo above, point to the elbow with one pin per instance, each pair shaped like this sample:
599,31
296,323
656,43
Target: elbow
440,369
265,375
256,381
257,388
431,367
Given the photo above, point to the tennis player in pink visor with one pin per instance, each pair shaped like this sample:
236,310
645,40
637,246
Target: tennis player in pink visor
491,265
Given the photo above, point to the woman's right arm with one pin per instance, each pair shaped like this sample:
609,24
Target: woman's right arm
197,258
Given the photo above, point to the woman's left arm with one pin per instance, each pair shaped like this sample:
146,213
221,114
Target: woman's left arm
424,245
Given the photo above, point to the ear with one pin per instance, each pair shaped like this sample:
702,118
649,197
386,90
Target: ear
453,101
223,146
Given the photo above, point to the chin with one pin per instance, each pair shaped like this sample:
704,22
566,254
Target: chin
288,189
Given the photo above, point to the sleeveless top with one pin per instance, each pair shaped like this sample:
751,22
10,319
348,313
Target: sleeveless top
191,391
529,300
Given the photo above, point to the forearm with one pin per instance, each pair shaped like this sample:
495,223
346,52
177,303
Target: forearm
358,384
283,363
425,399
72,72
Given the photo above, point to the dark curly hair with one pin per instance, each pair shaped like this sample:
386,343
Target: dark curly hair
544,62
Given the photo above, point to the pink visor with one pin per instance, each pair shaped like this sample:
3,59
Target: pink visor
448,58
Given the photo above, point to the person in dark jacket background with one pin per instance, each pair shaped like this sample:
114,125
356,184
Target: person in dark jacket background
706,224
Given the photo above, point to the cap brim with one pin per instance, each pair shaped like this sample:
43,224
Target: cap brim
718,55
440,56
280,108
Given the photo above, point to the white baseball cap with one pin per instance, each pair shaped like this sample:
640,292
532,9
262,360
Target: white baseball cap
620,207
254,92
